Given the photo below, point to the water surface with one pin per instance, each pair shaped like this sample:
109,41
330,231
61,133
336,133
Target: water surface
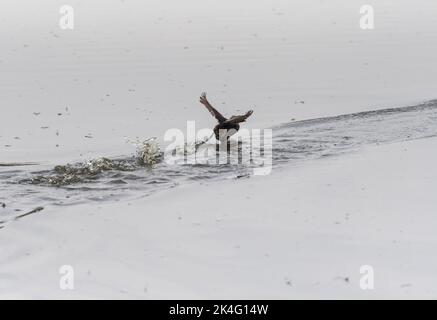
28,188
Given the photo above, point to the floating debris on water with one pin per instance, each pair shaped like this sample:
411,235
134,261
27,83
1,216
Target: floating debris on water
37,209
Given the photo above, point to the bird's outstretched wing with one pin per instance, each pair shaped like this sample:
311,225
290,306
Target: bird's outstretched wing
211,109
238,119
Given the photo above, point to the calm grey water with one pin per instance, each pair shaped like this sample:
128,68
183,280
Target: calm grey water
29,187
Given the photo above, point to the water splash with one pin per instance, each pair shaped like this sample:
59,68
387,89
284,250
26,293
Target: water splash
148,152
82,172
190,148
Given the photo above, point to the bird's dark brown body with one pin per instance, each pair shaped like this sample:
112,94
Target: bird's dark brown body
225,127
231,129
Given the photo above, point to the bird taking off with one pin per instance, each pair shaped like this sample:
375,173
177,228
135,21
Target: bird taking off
225,127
